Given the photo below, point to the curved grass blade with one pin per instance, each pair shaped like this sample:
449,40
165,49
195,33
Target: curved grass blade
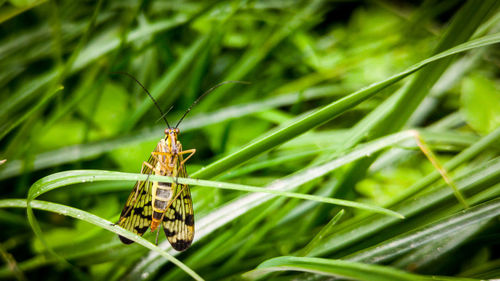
95,220
78,176
337,268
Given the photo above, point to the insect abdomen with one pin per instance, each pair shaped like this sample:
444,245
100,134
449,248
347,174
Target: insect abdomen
160,202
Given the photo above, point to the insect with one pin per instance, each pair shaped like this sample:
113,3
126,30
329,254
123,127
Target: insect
153,204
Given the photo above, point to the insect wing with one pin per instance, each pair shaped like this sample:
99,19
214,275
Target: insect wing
136,215
178,222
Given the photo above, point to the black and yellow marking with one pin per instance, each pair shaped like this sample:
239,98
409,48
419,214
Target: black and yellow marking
136,215
169,204
178,223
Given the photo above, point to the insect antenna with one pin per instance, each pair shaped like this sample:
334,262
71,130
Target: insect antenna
147,92
204,94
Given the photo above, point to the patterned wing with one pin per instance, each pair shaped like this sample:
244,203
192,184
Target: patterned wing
178,222
136,215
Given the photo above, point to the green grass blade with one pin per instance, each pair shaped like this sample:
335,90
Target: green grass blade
6,128
95,220
437,231
10,12
336,268
319,237
61,179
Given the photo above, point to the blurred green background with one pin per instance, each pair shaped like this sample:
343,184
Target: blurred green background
62,109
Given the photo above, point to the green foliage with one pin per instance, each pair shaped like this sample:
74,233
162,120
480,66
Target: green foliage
306,173
480,102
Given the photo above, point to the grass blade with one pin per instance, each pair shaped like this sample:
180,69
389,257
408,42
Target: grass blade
95,220
336,268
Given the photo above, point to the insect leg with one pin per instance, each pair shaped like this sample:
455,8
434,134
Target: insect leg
191,151
156,154
149,166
